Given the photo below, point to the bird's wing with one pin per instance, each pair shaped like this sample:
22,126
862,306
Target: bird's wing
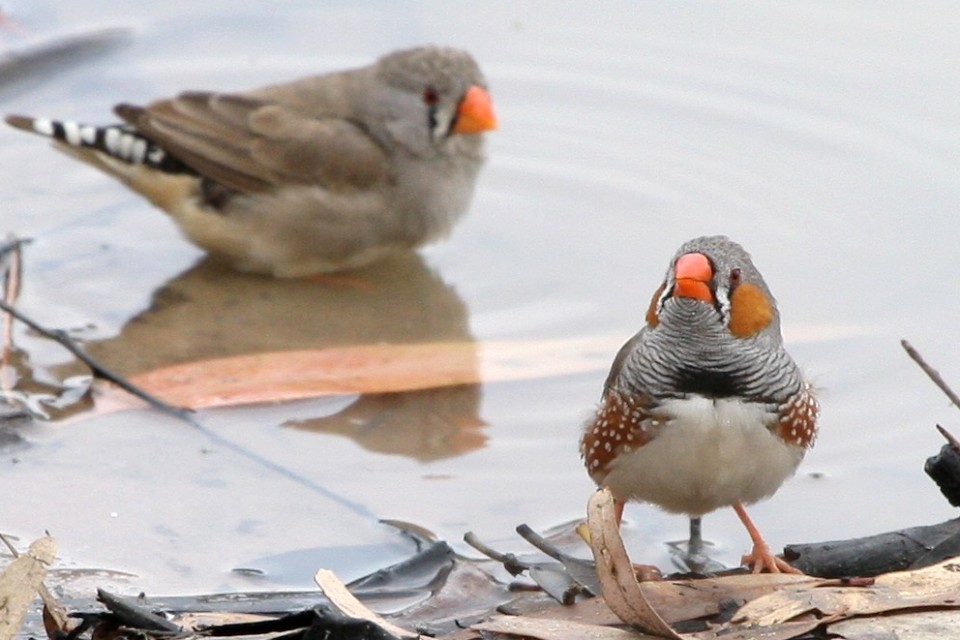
250,144
632,345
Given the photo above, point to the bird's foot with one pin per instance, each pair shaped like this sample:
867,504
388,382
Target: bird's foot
693,561
761,559
691,555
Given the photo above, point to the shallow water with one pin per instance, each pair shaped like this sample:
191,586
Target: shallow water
824,138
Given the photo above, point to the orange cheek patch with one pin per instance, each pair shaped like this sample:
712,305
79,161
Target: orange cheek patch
750,311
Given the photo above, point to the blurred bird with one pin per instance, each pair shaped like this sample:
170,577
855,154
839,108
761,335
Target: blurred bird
319,175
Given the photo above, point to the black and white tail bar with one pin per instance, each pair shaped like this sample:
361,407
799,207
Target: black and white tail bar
117,141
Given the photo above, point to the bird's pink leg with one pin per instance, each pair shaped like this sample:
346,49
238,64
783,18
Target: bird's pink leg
618,511
761,558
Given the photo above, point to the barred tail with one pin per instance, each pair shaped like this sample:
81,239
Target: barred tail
117,141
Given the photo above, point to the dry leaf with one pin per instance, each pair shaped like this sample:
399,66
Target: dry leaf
620,588
784,631
546,629
20,582
936,586
56,621
683,600
347,604
204,619
364,369
919,625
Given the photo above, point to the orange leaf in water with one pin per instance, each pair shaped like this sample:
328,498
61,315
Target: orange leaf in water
377,368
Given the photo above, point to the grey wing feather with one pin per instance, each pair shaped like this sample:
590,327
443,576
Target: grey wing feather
251,145
632,345
331,151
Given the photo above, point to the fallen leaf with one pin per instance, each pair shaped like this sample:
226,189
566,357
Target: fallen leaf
936,586
20,582
347,603
919,625
545,629
618,583
199,620
56,620
376,368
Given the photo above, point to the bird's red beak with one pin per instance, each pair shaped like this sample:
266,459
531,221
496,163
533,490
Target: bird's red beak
693,274
475,113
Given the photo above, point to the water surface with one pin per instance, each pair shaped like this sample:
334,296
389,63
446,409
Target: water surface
822,137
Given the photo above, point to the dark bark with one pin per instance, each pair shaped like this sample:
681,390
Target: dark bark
873,555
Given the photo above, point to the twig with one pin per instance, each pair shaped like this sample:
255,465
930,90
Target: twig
12,244
11,284
11,291
538,541
932,373
953,442
98,370
510,562
184,414
9,545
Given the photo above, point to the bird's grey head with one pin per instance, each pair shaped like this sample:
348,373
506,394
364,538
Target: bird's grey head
428,85
731,285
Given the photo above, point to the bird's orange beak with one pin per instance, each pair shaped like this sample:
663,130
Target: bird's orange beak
475,113
693,274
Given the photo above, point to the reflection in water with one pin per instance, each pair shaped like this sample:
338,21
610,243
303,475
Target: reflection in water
213,312
425,425
30,391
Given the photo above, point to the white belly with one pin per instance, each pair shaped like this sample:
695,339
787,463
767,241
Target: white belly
711,454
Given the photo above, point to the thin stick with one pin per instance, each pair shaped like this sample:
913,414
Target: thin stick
510,562
953,442
98,370
11,284
538,541
9,545
182,413
932,373
11,291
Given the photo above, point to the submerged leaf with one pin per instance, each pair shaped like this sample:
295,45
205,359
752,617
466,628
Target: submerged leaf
364,369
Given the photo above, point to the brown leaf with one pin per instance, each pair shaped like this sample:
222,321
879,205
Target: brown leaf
56,621
935,586
364,369
347,604
20,582
620,588
918,625
545,629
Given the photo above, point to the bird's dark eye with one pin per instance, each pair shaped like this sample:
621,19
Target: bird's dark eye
430,96
735,276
